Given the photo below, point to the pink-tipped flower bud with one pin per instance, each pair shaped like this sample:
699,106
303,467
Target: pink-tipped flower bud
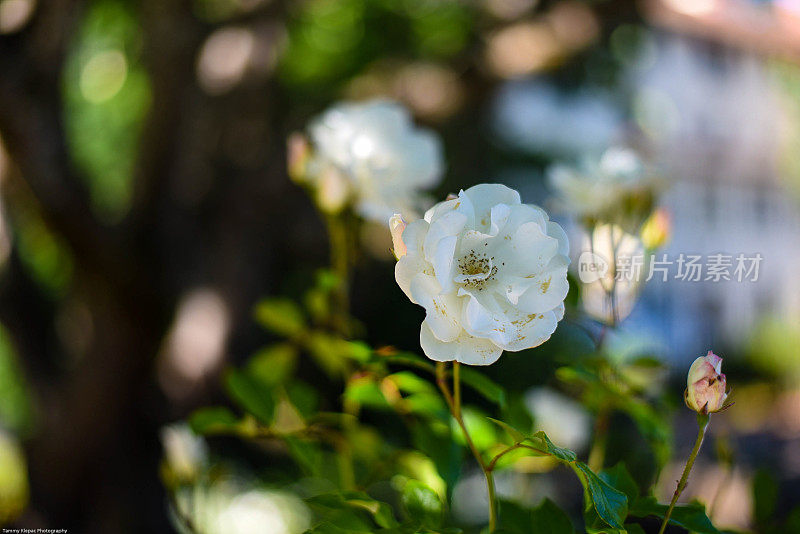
706,385
656,231
397,225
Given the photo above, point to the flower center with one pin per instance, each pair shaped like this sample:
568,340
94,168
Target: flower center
476,270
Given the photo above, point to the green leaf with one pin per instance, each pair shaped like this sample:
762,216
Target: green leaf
280,316
482,432
609,503
514,518
435,439
211,420
251,394
619,478
273,365
422,505
380,511
691,516
330,352
306,453
484,385
515,434
562,454
408,382
765,496
548,518
406,358
303,397
338,516
633,528
365,391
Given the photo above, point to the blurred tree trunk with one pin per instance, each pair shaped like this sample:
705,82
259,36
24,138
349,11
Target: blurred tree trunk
101,415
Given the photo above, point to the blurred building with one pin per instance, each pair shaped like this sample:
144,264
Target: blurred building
716,101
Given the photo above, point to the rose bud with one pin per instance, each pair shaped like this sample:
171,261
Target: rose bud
706,385
298,154
397,225
656,230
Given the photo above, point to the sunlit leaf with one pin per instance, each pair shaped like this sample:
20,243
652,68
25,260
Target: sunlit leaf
280,316
422,505
365,391
251,394
274,364
211,420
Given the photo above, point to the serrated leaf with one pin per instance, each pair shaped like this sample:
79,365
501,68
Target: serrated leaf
619,477
561,453
422,505
691,516
609,503
280,316
251,394
211,420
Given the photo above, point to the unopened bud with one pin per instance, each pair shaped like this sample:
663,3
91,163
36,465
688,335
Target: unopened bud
333,190
706,385
298,154
657,229
396,226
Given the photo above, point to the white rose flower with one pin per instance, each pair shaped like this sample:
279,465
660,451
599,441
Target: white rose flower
185,452
490,272
616,188
372,152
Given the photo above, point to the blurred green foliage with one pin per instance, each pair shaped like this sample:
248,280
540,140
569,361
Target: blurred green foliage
16,412
330,40
106,97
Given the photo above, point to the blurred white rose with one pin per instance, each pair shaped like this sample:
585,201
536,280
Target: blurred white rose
185,453
371,154
490,272
616,188
232,505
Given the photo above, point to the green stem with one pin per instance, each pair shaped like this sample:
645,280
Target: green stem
597,454
702,422
454,403
340,264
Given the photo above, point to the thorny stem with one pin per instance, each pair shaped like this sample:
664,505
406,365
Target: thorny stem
702,423
454,403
